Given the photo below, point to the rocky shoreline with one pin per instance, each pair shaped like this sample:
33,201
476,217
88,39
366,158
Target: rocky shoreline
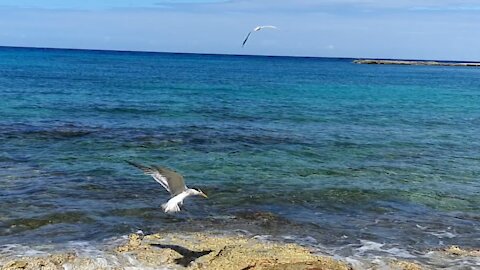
202,251
414,63
188,251
192,251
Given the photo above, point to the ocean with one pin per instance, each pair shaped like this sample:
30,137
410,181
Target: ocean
358,161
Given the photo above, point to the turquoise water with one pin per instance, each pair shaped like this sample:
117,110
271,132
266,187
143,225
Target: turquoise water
324,148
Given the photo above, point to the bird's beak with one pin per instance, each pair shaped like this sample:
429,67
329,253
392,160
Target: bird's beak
204,195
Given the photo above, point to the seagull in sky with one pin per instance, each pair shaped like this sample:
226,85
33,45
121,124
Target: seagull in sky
173,182
258,28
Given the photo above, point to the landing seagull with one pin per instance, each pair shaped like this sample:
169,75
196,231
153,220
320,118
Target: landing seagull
258,28
173,182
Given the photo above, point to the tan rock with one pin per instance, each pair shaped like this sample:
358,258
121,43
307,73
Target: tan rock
456,250
52,262
134,241
403,265
193,251
202,251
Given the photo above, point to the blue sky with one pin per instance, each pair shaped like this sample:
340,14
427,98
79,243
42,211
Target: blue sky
414,29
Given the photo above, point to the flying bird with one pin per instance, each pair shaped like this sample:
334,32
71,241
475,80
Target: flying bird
258,28
173,182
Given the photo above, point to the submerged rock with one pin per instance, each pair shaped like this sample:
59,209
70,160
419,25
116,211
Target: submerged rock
403,265
193,251
457,251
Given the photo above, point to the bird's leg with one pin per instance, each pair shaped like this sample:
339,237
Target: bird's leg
180,204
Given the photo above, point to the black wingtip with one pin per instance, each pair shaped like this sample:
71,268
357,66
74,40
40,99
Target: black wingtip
130,162
246,38
139,166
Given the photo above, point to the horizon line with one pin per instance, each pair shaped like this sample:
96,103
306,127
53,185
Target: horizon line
222,54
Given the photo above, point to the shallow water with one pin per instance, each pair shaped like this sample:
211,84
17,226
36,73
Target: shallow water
344,154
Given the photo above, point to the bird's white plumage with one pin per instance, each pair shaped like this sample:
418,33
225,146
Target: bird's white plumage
162,180
258,28
173,205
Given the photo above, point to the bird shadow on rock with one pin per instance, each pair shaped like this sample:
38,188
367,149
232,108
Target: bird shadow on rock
188,255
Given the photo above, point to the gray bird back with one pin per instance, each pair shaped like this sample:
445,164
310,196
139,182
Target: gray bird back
175,180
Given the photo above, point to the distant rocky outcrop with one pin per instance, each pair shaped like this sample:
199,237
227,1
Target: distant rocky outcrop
415,63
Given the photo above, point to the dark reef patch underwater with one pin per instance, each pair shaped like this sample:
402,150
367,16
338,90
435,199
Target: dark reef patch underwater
366,163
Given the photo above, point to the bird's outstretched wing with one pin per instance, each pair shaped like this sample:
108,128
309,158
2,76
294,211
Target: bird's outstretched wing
162,180
265,26
258,28
245,41
175,181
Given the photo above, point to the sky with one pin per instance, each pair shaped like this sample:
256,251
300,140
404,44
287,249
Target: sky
401,29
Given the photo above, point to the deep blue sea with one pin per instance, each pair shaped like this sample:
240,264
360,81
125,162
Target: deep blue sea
359,161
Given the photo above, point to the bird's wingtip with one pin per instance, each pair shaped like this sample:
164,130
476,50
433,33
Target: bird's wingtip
137,165
131,162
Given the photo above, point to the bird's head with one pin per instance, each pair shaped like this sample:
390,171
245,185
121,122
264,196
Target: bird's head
200,193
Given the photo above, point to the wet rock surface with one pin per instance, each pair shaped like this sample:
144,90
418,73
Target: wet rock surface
457,251
212,250
189,251
205,251
53,262
404,265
